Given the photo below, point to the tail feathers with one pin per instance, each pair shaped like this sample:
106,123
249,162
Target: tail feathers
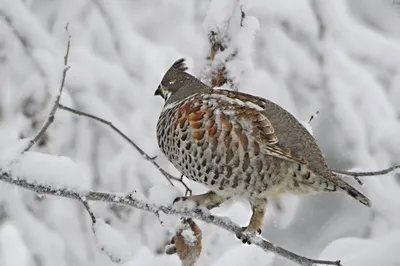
351,191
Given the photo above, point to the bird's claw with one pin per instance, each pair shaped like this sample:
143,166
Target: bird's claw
245,235
179,199
153,158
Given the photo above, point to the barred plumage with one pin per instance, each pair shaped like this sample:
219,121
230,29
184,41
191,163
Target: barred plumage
237,144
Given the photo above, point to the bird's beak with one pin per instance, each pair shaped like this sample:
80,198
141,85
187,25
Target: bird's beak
158,91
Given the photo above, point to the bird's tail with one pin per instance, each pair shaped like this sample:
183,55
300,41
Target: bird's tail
350,190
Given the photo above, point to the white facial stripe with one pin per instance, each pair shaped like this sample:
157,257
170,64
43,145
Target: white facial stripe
167,94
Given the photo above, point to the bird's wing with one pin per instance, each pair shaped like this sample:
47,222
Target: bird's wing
264,133
250,118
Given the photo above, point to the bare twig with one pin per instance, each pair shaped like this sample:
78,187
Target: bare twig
188,191
373,173
242,16
50,118
313,116
87,207
123,135
132,201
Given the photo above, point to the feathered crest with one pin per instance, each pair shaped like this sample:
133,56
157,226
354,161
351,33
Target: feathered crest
180,65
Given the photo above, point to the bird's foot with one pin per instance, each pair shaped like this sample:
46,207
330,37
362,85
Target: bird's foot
208,200
184,200
179,199
245,234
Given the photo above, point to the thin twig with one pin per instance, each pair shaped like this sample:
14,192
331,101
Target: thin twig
143,153
87,207
188,191
242,16
313,116
132,201
373,173
50,118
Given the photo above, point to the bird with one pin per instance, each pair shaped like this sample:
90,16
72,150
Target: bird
239,145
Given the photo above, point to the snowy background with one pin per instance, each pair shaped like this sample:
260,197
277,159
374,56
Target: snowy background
341,58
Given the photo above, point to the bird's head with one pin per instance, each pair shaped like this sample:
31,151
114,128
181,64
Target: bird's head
176,83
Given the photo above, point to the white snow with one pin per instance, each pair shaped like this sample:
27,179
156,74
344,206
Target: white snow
362,252
14,251
164,194
111,242
119,52
12,151
49,169
189,237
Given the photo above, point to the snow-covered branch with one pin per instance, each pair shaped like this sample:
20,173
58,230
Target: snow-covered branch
231,34
136,202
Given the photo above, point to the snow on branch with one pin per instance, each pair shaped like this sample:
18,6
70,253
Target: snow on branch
139,203
231,35
111,242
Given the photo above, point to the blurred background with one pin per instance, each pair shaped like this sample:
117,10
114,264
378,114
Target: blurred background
340,58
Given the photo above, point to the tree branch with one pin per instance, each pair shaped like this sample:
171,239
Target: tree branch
87,207
131,201
167,175
50,118
313,116
373,173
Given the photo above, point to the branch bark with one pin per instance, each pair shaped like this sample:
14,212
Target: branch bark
131,201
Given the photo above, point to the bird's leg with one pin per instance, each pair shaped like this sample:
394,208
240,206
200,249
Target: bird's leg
209,200
258,207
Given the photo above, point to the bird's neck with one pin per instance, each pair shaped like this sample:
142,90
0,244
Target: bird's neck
192,87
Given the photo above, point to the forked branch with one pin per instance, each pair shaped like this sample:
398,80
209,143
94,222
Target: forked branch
167,175
50,117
